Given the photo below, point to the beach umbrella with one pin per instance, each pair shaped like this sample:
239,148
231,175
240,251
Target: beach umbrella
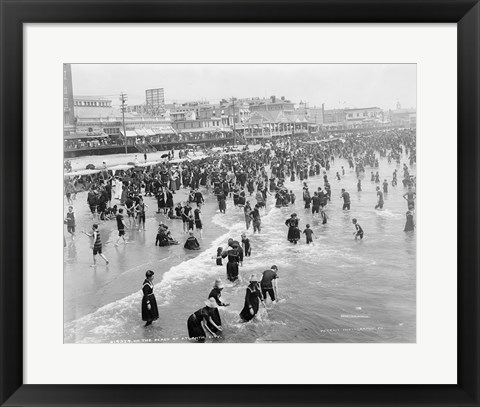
90,167
131,163
164,156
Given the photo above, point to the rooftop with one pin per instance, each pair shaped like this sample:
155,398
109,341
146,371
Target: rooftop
362,108
84,112
102,98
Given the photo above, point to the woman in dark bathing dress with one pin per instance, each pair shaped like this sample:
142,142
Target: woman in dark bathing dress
234,257
200,320
253,296
216,293
293,230
409,225
149,303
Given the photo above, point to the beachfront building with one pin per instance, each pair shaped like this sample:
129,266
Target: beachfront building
100,125
192,109
315,114
334,118
96,115
200,120
268,124
362,116
402,117
271,104
140,109
205,127
232,111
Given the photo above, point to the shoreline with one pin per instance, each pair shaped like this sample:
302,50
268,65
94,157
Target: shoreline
122,277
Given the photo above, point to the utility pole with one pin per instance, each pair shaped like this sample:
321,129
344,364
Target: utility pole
123,99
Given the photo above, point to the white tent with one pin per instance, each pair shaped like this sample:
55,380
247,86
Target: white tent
81,172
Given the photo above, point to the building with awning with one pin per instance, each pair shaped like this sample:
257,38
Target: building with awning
141,132
82,136
207,130
204,133
265,124
82,140
130,133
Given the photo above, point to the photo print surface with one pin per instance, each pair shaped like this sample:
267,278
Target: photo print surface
239,203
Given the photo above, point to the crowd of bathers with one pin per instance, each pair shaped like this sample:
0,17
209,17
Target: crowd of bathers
244,176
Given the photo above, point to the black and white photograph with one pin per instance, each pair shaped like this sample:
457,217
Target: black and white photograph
239,203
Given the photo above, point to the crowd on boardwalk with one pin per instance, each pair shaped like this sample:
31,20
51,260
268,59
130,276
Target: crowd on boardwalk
248,180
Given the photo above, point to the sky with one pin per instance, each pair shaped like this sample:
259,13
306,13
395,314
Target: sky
336,85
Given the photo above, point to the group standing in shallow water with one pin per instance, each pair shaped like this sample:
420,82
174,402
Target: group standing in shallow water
207,321
246,174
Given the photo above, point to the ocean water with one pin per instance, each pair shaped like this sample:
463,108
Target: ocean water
337,289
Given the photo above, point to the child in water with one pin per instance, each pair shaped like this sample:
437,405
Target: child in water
380,201
358,229
292,197
191,222
191,242
359,185
323,215
219,256
309,233
247,249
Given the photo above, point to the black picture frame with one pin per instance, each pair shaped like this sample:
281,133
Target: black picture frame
14,13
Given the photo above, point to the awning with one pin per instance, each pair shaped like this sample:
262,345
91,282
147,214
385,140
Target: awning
141,132
84,137
206,130
130,133
163,130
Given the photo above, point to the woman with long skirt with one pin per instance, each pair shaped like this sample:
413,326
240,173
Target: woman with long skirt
409,225
253,296
293,235
169,199
149,303
234,258
216,293
198,323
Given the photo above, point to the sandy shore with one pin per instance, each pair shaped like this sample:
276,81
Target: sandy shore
79,163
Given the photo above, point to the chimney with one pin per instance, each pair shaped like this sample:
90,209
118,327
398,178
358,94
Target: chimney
283,97
272,98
